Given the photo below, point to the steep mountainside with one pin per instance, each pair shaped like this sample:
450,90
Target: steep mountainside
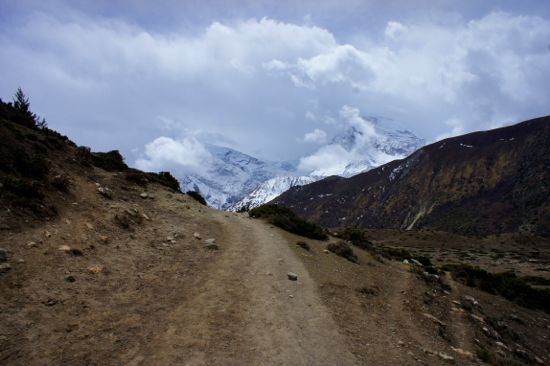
480,183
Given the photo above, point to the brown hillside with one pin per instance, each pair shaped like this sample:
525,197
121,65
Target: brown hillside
481,183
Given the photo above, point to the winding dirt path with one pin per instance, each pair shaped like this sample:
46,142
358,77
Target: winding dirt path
247,312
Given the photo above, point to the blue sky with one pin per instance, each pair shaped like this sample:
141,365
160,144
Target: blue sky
271,78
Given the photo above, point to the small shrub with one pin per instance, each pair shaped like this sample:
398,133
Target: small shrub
61,183
303,245
136,176
426,261
343,250
111,161
287,220
357,237
23,189
197,196
83,156
35,167
395,253
505,284
167,179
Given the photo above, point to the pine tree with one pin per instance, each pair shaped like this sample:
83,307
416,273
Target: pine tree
22,105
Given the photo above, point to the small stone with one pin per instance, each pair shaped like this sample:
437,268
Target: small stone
95,269
4,267
462,352
104,239
326,251
434,319
64,248
144,195
105,192
210,241
67,221
31,244
47,234
196,235
414,261
446,357
89,226
20,260
401,343
406,261
3,255
170,238
291,296
146,217
292,276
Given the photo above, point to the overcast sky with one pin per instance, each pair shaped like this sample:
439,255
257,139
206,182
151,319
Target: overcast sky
271,78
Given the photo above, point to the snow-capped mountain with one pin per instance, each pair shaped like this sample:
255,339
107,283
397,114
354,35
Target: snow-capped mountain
270,189
235,180
231,175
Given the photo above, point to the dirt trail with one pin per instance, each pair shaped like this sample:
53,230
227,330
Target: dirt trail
247,312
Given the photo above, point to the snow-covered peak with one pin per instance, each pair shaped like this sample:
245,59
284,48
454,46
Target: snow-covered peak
231,175
270,189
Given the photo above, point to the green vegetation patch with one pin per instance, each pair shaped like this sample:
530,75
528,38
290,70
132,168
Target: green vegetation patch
505,284
287,220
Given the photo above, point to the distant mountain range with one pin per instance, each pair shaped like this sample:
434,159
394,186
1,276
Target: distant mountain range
236,180
481,183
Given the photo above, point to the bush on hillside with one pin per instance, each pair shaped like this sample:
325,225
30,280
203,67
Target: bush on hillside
197,196
356,236
505,284
111,161
343,250
287,220
166,179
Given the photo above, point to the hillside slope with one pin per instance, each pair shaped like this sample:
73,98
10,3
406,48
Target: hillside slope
105,265
481,183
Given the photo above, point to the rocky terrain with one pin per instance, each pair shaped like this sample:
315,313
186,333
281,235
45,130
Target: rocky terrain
481,183
101,264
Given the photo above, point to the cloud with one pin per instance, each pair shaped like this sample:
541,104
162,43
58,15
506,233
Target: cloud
265,83
165,153
328,160
316,136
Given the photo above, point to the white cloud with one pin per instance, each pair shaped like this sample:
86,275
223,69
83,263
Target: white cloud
317,136
102,81
165,153
328,160
394,29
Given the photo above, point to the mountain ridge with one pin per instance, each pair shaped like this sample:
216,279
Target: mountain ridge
479,183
